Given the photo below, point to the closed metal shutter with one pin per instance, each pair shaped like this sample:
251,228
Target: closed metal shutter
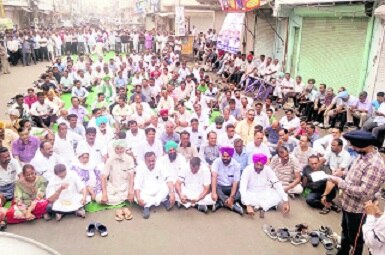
264,36
332,51
203,22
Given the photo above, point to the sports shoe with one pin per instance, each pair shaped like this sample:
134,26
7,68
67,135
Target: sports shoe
146,212
202,208
238,209
316,123
321,125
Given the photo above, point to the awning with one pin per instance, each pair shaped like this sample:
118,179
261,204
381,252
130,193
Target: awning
165,14
26,9
380,12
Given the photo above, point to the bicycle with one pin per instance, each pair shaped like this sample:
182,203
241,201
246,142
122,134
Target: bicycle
258,89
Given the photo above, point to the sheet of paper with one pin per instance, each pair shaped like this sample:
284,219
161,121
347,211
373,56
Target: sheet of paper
319,176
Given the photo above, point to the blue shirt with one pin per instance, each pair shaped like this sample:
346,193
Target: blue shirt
241,159
272,135
375,104
226,175
120,82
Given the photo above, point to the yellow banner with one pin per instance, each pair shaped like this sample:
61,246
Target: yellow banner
187,45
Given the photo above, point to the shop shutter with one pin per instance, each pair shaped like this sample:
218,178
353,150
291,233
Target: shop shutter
332,51
202,22
264,36
379,84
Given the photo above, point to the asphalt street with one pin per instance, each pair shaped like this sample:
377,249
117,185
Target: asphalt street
179,231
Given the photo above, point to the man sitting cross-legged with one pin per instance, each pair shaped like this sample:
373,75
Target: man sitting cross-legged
260,187
151,187
193,186
225,174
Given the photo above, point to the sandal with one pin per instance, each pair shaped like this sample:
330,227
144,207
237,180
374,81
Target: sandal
299,239
314,238
119,216
327,231
325,210
283,235
335,208
328,244
270,231
127,214
301,228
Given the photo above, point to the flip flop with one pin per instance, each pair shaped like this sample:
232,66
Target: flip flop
314,238
127,214
119,215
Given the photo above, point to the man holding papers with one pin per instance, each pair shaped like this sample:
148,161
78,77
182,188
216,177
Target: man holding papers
315,177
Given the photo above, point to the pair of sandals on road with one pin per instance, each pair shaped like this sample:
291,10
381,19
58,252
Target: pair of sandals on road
300,235
123,214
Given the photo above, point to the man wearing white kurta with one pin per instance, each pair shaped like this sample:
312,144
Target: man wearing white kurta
44,159
150,185
193,186
172,164
117,177
260,187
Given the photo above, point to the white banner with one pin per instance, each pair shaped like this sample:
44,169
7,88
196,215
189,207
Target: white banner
180,23
229,38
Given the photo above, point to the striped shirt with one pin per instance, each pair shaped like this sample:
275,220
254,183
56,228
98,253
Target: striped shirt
285,172
364,179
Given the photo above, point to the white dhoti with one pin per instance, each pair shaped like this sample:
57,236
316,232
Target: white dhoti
192,194
155,195
298,189
115,196
265,199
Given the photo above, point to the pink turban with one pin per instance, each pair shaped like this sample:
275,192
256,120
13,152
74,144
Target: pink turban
228,150
260,158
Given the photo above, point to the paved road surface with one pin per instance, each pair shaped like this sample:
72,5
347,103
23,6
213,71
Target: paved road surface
18,81
177,232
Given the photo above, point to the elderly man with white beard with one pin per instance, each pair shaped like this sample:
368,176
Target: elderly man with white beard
260,188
